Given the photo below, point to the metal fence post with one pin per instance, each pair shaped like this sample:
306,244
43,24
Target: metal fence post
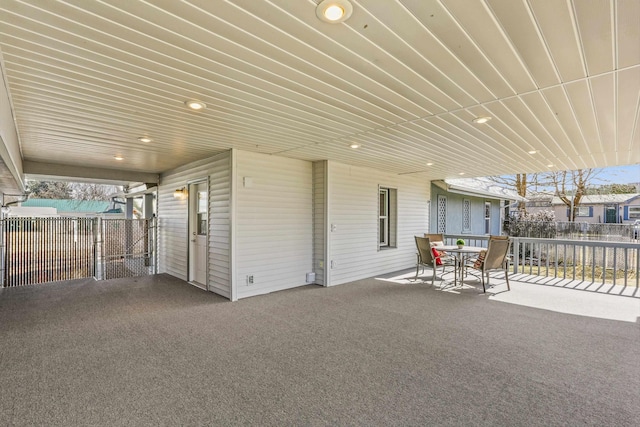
97,249
2,253
516,254
154,243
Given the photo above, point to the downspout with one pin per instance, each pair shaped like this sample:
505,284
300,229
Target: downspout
21,198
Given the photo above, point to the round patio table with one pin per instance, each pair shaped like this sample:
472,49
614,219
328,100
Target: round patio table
461,254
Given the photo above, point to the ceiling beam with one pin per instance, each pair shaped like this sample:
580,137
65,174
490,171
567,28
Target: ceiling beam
10,158
39,170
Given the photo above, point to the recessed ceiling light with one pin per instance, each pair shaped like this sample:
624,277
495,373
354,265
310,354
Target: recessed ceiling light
430,164
532,151
118,157
480,120
196,105
354,145
145,139
550,165
461,173
334,11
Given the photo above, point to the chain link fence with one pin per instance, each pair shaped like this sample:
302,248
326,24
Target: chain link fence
571,230
40,250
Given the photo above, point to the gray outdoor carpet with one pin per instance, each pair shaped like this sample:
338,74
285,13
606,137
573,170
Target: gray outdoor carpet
157,351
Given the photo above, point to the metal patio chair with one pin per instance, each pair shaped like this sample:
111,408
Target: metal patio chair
427,258
496,257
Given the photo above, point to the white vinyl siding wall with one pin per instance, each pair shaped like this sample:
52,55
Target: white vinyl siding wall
220,225
353,214
273,223
173,221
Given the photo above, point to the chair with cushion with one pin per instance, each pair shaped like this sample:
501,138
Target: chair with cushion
429,256
436,239
494,258
473,259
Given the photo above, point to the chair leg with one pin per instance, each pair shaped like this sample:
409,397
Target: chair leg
435,270
506,278
455,272
483,287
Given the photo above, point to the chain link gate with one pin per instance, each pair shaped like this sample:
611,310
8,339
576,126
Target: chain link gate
40,250
126,248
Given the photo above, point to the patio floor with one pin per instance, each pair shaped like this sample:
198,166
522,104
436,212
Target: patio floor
606,301
157,351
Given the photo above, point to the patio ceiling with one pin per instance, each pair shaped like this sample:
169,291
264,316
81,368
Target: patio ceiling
402,78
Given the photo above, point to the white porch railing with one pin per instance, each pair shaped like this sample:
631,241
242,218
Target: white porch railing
617,263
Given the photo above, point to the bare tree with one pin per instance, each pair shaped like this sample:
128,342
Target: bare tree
84,191
571,186
76,190
49,189
613,189
520,182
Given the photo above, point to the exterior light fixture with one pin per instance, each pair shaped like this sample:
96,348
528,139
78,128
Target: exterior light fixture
481,120
334,11
550,165
461,173
145,139
532,151
118,157
180,193
195,105
354,145
430,164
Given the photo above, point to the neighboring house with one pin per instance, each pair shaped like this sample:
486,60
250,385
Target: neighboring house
469,206
601,208
31,212
539,202
61,207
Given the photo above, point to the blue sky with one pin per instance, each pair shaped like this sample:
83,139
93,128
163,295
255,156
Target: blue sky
618,175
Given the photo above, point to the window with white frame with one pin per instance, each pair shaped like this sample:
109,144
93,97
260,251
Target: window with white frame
387,217
634,212
583,211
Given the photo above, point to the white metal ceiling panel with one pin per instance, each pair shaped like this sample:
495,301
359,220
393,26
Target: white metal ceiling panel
603,90
559,33
405,78
581,100
596,33
482,27
517,20
628,33
628,109
558,102
434,46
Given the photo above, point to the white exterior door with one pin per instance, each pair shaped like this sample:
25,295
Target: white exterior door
198,233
